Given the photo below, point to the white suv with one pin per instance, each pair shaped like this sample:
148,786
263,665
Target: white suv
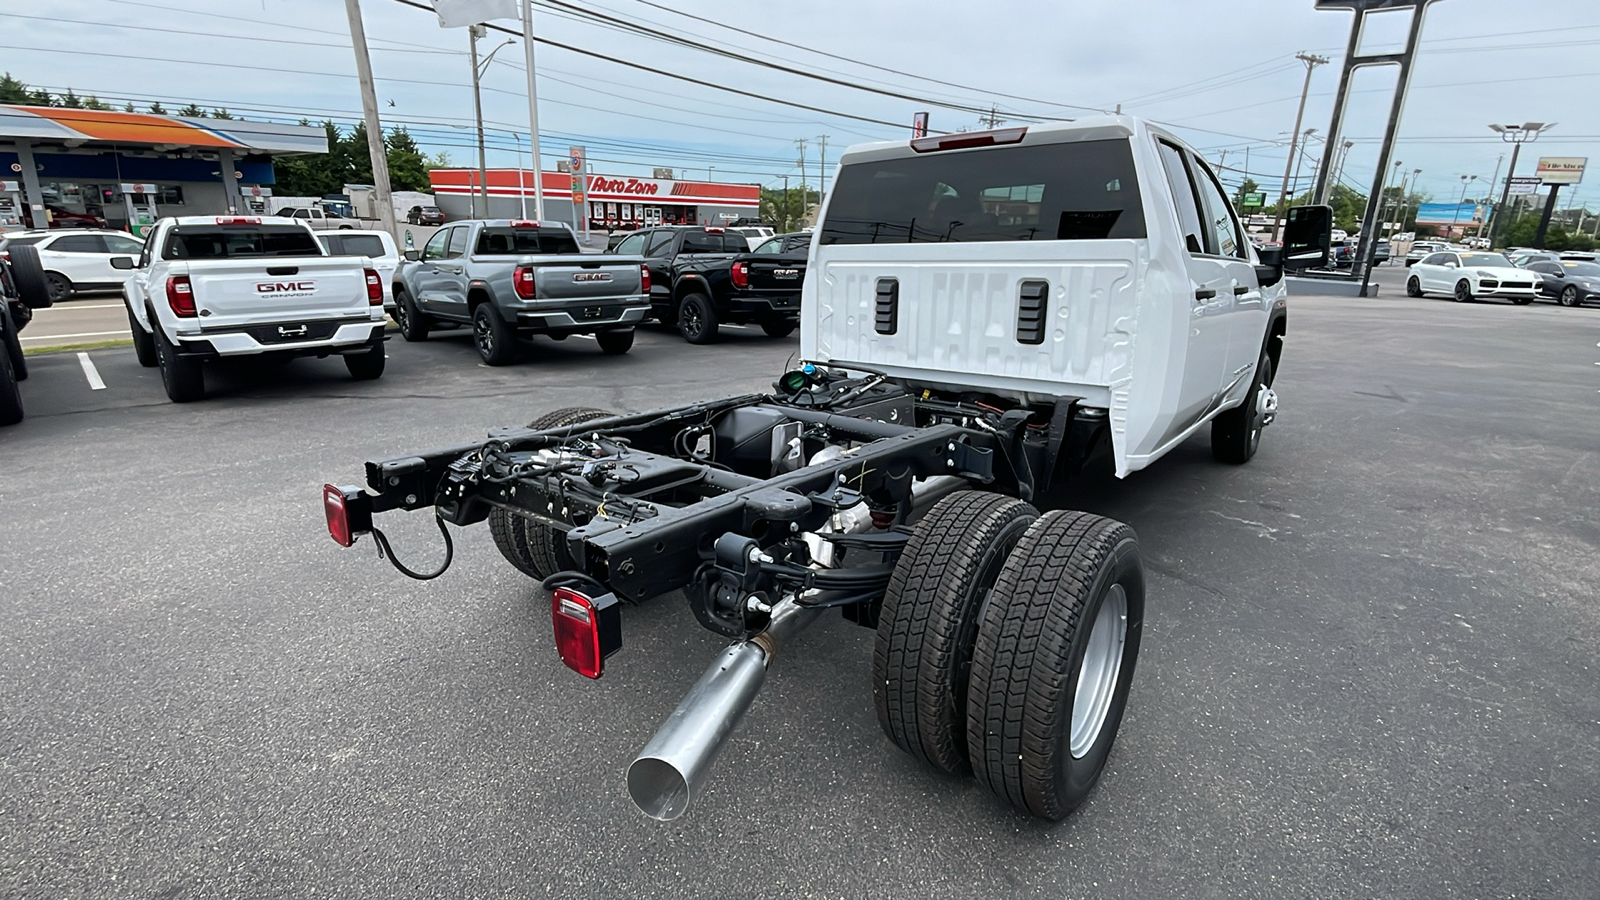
79,259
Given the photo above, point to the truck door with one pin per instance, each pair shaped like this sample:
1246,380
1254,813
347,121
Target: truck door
659,249
1211,282
425,276
1243,309
452,291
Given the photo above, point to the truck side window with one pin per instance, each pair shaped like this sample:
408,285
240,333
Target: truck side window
435,246
1183,195
631,244
458,242
657,245
1222,235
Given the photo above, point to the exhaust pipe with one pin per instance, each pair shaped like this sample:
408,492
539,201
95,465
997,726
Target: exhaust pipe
673,768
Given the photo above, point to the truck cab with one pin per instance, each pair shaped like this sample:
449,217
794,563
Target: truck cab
1097,260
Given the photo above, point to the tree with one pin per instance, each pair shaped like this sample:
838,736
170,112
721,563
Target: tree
12,90
93,102
408,168
40,97
786,210
192,111
70,100
128,107
221,114
157,109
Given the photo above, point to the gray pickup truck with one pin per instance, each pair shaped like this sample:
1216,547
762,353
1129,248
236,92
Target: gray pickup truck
512,279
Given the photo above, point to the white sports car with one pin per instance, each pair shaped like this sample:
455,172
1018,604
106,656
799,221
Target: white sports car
1466,275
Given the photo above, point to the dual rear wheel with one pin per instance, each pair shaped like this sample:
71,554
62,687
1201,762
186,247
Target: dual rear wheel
1006,646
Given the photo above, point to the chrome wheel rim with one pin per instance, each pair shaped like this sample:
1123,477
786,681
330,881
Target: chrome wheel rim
1097,677
1569,297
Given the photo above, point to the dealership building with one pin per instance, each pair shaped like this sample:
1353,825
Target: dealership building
75,166
614,202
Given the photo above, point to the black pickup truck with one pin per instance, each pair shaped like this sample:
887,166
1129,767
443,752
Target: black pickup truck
702,277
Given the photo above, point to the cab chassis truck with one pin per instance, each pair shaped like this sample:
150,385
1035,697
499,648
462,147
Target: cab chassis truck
898,489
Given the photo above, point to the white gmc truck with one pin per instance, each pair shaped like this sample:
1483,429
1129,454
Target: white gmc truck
208,287
983,314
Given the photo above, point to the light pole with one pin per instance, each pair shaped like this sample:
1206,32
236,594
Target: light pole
1344,155
477,31
1455,216
1405,196
1492,182
1312,61
1516,136
1295,181
1383,202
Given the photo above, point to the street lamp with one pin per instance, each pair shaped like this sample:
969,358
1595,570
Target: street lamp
476,32
1516,135
1383,202
1455,216
1405,196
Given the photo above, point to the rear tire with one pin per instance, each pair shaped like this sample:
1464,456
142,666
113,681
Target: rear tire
615,343
10,394
1413,287
929,620
183,378
1236,434
779,329
532,547
413,324
496,342
28,273
1053,662
13,348
144,343
366,366
697,320
1463,291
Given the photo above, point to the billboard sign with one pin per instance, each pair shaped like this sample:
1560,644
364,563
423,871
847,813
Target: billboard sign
1524,184
1561,169
1449,213
1259,199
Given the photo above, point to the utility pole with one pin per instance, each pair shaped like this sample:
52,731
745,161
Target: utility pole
1492,182
786,204
1338,172
1383,202
369,112
1405,196
1312,61
1516,136
477,113
822,177
801,143
533,116
993,120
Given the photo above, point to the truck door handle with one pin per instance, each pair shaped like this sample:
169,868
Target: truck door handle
1205,294
1240,289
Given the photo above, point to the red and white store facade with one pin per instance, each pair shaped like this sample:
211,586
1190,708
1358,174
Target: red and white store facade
616,203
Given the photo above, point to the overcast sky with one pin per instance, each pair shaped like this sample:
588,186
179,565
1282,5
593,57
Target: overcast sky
1222,71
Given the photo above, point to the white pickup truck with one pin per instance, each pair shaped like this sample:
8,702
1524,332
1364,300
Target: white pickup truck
983,314
209,287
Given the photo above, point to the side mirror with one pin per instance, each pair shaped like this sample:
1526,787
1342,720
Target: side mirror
413,255
1307,237
122,262
1269,271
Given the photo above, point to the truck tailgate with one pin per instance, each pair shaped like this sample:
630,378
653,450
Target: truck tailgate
574,277
244,291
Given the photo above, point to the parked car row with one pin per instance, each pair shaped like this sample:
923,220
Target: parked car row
1571,279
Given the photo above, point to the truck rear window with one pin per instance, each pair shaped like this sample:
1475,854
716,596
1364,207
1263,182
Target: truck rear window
523,241
714,242
368,245
239,242
1086,190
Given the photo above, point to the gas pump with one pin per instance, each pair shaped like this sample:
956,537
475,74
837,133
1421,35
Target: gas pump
10,204
255,198
141,213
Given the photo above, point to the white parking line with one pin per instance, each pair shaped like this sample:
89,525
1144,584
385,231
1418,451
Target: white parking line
55,337
91,373
60,308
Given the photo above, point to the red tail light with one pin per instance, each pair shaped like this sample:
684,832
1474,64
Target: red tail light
238,220
587,630
715,229
180,296
522,282
741,274
644,279
348,511
969,139
374,288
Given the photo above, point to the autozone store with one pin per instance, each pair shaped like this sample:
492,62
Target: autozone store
616,203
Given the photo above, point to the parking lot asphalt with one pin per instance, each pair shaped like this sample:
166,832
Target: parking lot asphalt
1369,665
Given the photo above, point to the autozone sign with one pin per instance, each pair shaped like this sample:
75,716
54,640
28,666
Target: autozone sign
599,184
